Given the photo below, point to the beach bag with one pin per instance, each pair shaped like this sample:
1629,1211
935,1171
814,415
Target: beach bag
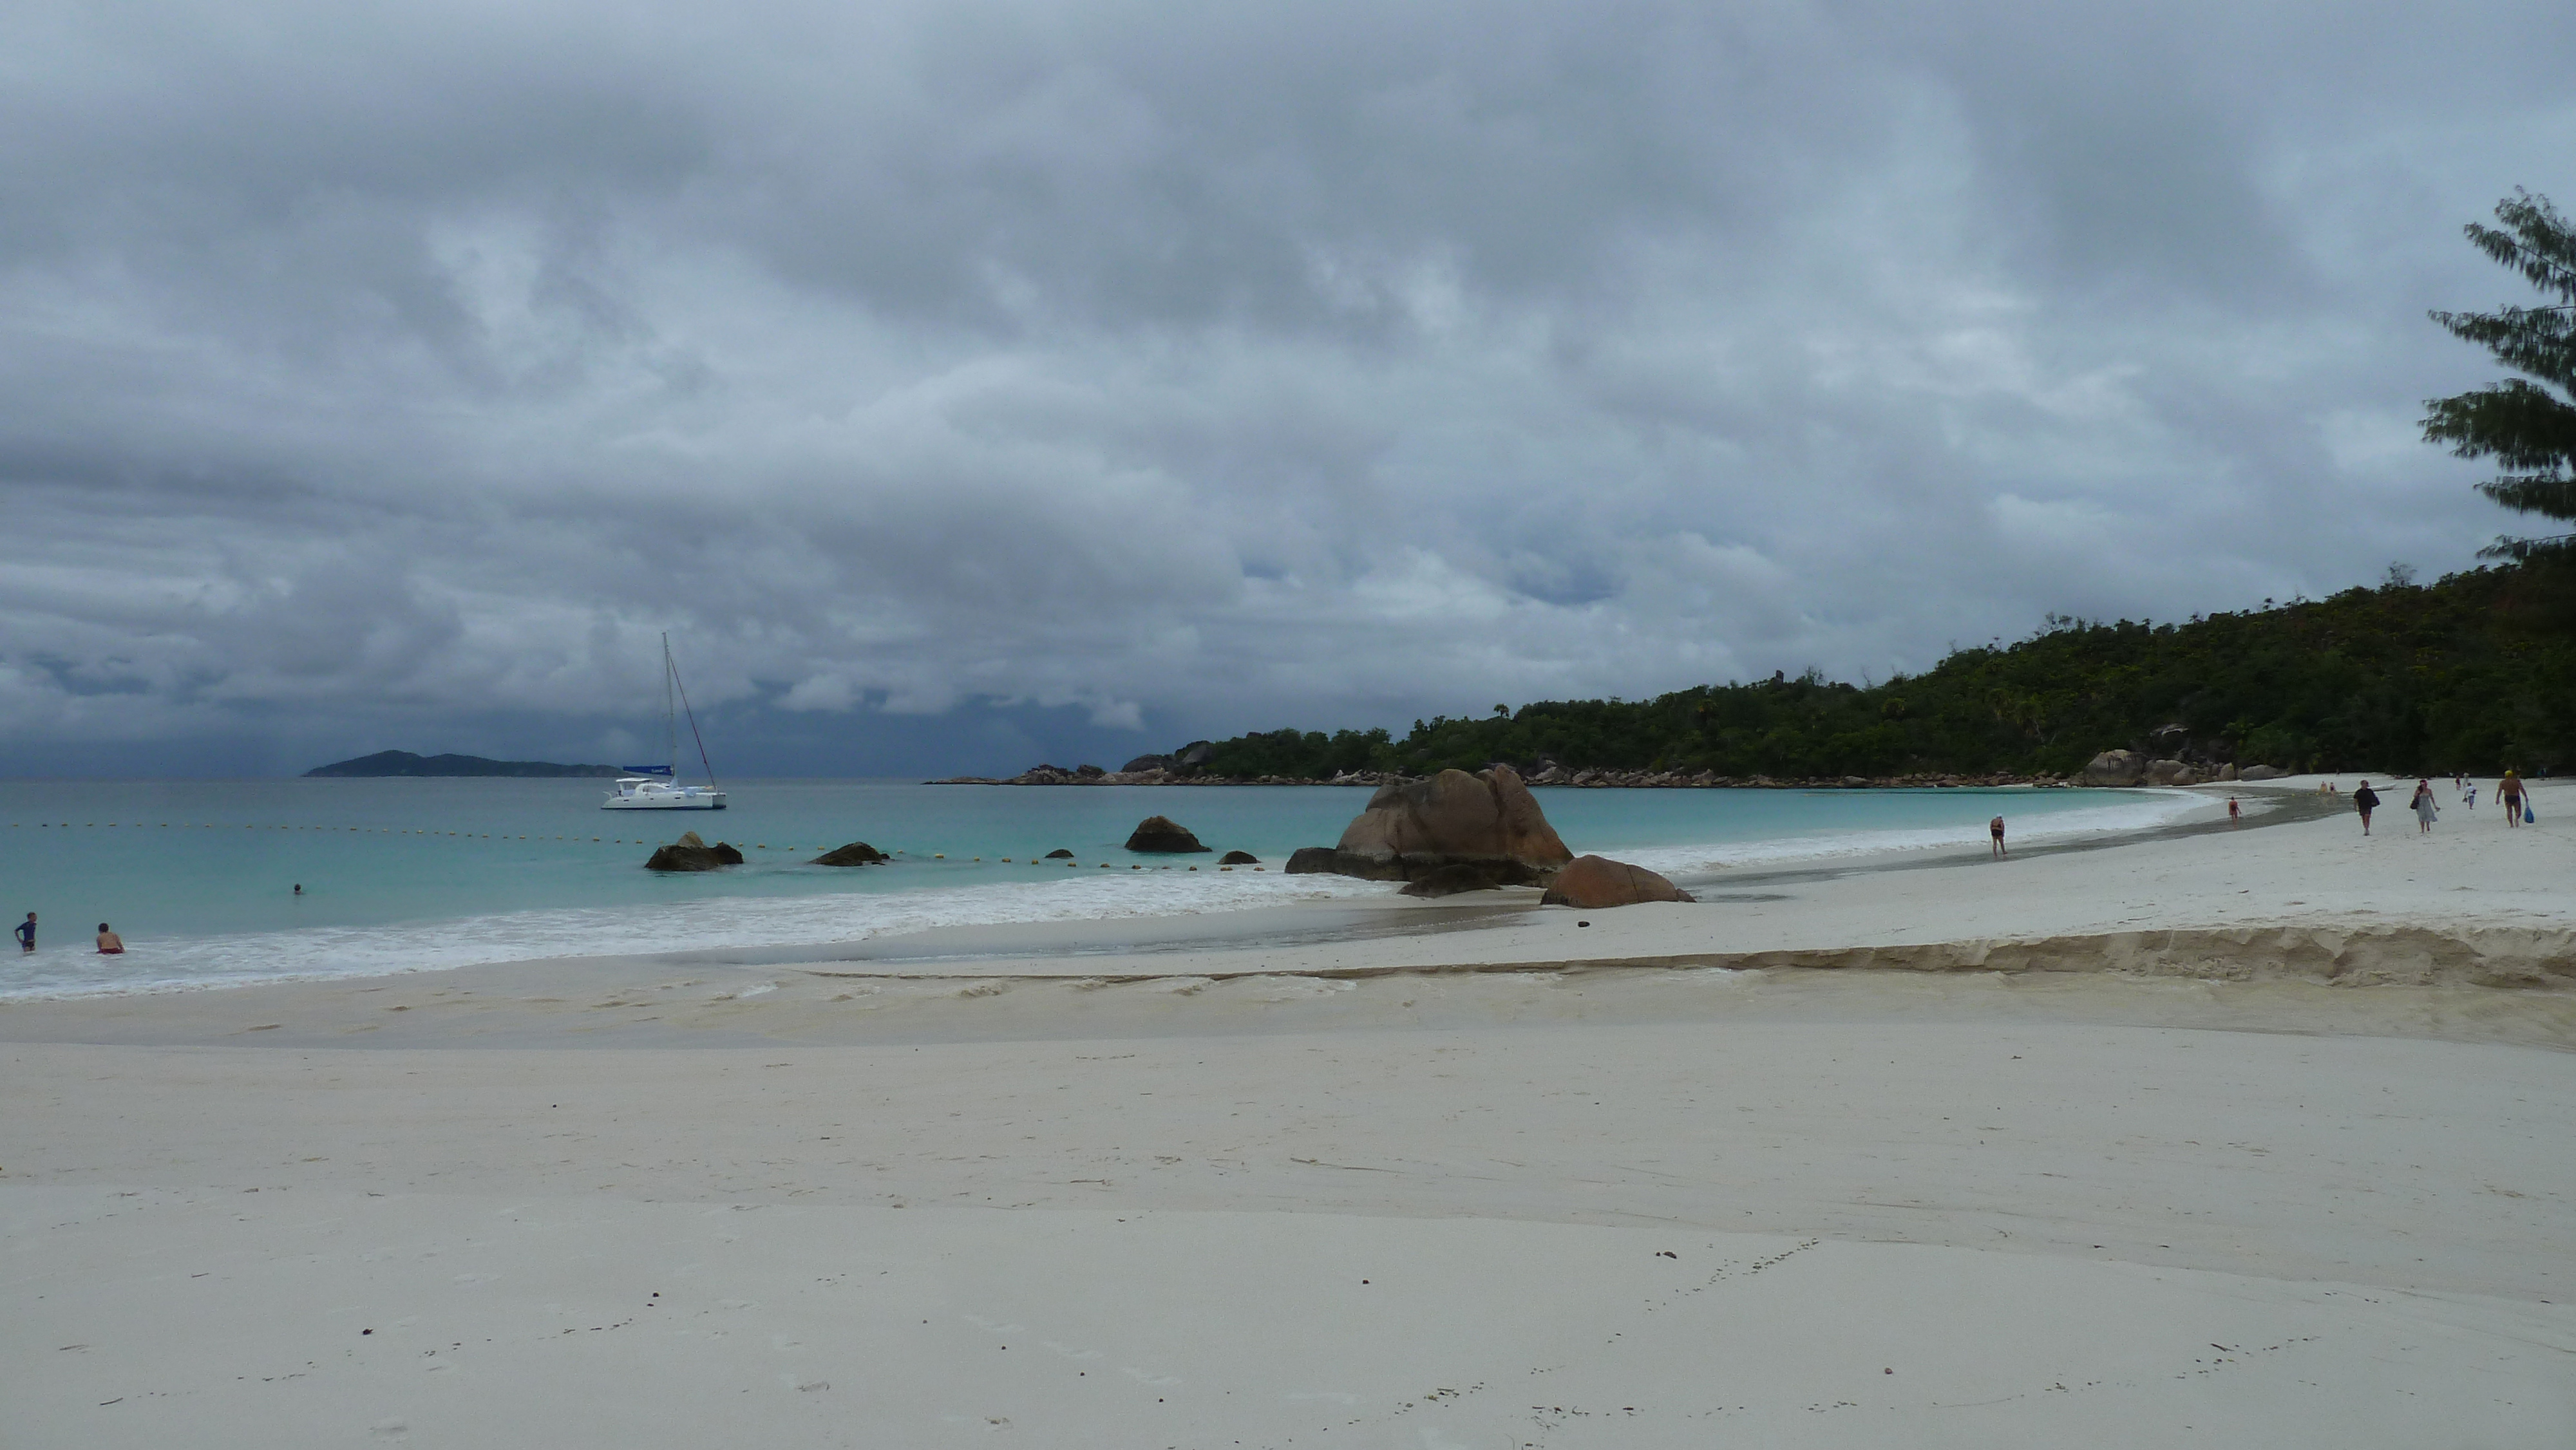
2528,818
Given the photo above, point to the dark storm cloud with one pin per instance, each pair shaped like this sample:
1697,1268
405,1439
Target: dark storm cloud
371,375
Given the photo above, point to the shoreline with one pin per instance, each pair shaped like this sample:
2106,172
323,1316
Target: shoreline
1236,914
2246,1135
1923,910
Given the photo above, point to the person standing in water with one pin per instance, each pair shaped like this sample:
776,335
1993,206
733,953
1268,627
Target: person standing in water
2365,800
109,943
2423,806
2509,793
2234,812
27,933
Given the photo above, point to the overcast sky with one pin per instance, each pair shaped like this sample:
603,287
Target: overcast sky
964,383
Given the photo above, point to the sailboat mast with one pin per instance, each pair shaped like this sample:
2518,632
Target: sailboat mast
670,714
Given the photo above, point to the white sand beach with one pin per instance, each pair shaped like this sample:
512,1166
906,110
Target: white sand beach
2250,1136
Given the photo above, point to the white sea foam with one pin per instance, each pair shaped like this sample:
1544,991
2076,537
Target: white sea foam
728,922
2134,811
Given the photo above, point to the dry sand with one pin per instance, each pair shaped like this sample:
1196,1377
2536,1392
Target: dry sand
2247,1137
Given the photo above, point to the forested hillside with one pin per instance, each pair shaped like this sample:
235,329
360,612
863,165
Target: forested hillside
2471,673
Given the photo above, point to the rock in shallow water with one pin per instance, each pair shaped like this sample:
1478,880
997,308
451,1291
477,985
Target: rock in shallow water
1163,835
690,853
1310,861
1595,882
857,853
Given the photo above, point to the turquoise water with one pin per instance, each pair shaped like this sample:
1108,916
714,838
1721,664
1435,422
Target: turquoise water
198,876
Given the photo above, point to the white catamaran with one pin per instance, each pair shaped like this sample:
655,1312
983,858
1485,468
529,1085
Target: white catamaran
657,787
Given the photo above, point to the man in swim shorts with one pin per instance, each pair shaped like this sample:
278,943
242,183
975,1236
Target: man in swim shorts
109,943
1995,828
27,933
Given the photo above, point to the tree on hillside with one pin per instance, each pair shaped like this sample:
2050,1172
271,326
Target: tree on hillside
2521,423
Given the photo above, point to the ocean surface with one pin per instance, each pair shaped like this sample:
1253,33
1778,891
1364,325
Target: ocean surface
199,876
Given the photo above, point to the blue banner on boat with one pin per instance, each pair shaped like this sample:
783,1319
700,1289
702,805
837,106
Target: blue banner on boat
648,770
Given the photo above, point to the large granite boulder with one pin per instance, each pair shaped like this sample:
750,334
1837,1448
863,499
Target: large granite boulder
2261,772
1596,882
1164,835
1310,861
1488,820
2171,772
2115,767
1238,858
857,853
1144,763
689,853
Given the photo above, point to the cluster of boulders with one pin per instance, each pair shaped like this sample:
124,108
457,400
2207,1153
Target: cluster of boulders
2172,758
1458,832
1181,767
1450,833
2130,767
1710,780
692,853
1552,775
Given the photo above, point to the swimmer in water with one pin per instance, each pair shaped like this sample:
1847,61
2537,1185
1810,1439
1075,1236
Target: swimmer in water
109,943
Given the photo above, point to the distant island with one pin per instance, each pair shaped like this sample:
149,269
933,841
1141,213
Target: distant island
404,763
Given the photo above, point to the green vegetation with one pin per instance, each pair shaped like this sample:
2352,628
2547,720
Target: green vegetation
2519,422
2405,677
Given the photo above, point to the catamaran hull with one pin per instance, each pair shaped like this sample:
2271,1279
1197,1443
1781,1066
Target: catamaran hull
715,803
636,793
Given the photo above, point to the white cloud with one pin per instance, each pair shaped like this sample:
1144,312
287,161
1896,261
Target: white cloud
1223,368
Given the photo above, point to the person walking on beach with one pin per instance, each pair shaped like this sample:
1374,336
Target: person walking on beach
27,933
2365,800
109,943
2233,810
2424,808
1995,828
2509,791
